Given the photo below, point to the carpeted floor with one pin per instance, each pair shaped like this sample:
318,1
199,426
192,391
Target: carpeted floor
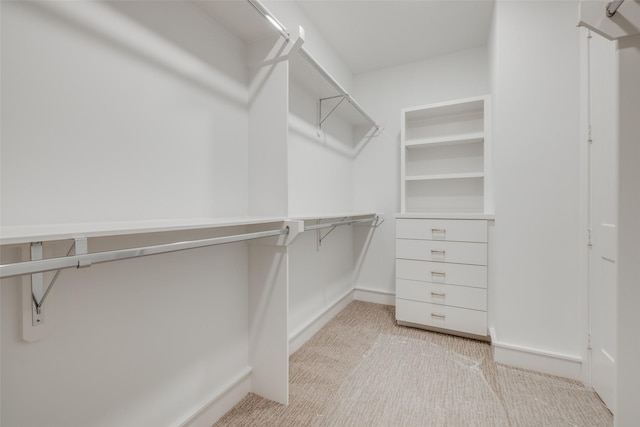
362,369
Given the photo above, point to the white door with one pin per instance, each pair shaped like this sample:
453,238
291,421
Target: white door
603,218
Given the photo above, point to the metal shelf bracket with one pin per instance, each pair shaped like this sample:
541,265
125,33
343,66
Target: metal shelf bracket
343,221
39,292
321,119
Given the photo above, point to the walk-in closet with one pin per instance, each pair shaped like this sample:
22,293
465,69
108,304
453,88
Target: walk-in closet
247,212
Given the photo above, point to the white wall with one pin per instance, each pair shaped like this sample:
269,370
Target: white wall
377,167
320,167
122,92
320,183
124,111
535,84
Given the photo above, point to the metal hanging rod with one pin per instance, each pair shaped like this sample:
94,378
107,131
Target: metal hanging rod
613,6
85,260
315,64
339,223
335,224
272,19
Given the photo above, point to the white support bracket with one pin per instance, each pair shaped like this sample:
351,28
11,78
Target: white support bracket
39,292
37,287
321,119
294,228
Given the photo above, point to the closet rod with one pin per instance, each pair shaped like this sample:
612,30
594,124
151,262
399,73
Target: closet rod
74,261
272,19
315,64
339,223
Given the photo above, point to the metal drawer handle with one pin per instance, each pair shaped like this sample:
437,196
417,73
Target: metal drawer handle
434,251
438,273
438,316
438,230
437,294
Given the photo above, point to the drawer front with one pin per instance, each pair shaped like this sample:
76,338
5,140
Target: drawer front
455,230
429,250
439,272
437,293
442,316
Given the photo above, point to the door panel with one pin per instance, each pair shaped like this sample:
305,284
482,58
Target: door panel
603,219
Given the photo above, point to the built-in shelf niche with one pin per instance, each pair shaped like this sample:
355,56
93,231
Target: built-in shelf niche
446,157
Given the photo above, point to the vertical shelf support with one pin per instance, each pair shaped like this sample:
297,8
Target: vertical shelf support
37,287
38,291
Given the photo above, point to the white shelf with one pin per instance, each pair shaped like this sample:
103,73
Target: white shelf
466,138
445,176
331,216
441,110
49,232
445,215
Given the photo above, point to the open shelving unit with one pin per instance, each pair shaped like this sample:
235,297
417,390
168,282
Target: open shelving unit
443,228
445,157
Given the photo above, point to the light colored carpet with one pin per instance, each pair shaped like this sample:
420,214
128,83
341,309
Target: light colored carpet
362,369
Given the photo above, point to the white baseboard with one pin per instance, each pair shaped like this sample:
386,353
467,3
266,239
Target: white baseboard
552,363
302,335
375,296
222,402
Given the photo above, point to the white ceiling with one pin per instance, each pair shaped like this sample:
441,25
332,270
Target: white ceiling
375,34
370,35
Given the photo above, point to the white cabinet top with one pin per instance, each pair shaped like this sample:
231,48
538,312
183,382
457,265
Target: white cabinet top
445,215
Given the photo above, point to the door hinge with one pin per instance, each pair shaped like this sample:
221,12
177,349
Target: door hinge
588,340
589,243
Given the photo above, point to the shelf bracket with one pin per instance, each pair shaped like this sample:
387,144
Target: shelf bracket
321,119
321,237
38,291
37,287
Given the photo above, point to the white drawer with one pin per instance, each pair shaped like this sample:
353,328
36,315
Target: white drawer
440,272
438,293
429,250
457,230
442,316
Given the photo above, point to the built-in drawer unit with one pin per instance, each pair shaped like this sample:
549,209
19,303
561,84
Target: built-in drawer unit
441,274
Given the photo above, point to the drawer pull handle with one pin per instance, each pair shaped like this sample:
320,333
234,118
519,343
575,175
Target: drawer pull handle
437,294
439,252
439,230
438,273
438,316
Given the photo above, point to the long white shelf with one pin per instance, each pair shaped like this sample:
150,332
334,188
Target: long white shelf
446,215
465,138
10,235
331,216
42,233
444,176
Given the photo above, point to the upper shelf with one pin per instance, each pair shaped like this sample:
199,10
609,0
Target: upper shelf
439,111
43,233
10,235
